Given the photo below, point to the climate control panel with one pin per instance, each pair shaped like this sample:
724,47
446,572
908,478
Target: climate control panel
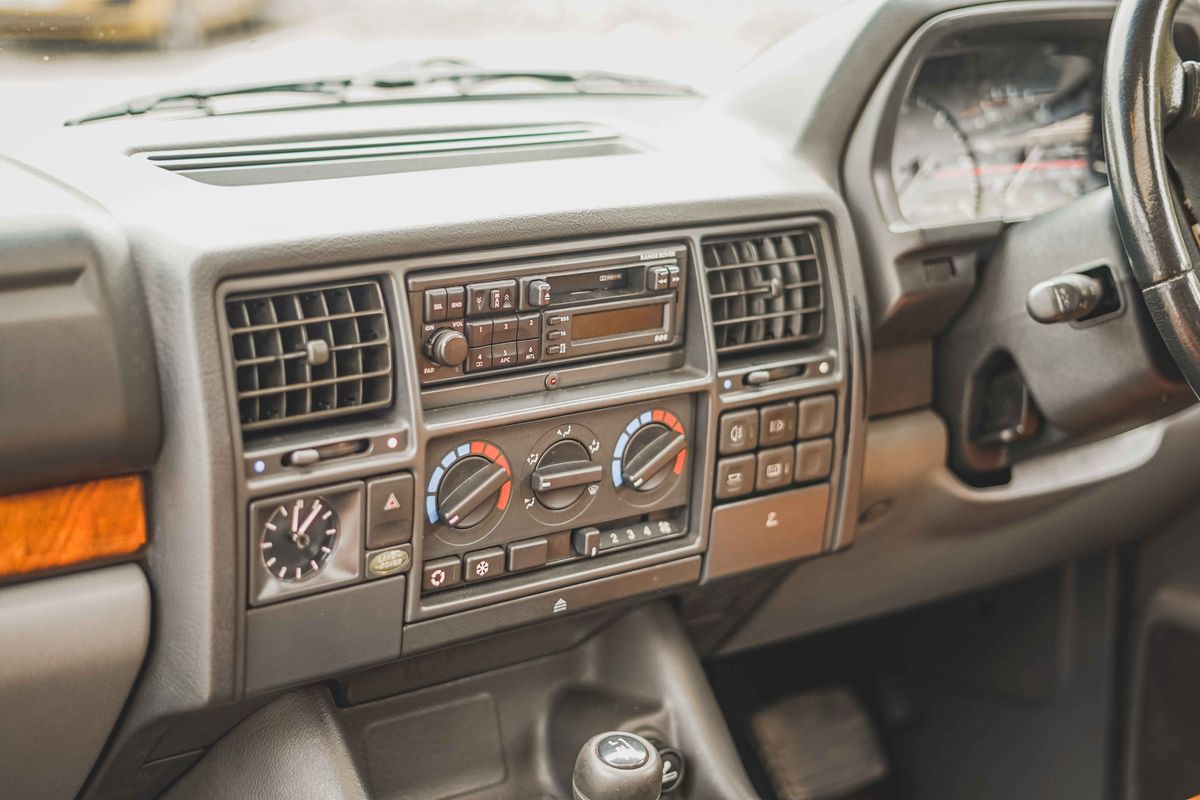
542,493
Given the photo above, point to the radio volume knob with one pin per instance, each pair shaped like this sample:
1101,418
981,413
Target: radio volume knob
538,293
446,347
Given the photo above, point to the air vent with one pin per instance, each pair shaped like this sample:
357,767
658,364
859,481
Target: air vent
310,354
767,290
280,162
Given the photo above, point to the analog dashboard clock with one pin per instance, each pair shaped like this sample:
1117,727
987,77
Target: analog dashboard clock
298,538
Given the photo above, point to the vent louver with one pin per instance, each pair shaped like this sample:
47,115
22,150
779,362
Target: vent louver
309,354
767,289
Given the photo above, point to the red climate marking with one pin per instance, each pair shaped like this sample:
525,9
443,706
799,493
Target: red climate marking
679,459
677,427
502,462
657,416
491,451
505,491
669,419
477,448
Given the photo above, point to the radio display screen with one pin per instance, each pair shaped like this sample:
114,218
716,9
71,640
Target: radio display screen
615,322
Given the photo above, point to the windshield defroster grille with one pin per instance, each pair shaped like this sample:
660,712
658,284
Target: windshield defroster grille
308,354
765,289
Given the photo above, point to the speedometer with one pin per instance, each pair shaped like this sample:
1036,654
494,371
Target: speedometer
934,170
1003,130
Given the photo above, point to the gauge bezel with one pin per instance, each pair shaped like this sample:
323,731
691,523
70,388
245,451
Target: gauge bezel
343,566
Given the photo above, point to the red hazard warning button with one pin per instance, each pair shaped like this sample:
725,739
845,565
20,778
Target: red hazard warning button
389,510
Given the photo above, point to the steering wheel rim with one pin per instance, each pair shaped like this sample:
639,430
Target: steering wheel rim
1148,91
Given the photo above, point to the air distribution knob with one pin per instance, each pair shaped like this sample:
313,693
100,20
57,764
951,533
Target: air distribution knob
564,472
446,347
617,766
649,456
470,490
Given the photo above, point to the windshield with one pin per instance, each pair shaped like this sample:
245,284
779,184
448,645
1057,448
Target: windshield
63,59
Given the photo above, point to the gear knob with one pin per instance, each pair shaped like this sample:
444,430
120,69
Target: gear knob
617,766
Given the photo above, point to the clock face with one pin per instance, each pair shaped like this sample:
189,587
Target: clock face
298,538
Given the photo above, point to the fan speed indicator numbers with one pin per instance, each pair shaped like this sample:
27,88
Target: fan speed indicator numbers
298,538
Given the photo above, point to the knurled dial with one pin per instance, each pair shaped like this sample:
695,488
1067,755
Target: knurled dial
563,473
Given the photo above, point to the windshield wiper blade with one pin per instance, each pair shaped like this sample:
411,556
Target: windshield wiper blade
461,78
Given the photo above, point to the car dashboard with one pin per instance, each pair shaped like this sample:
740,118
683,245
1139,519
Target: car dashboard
401,382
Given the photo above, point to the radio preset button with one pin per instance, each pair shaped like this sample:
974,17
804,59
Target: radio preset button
504,328
529,326
527,352
479,359
435,305
456,302
504,355
479,332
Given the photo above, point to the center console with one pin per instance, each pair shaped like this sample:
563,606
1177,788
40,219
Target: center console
437,449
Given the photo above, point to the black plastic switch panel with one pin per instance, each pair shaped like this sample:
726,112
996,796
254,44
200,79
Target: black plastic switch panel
777,424
774,468
528,554
817,416
441,573
389,511
814,460
484,564
739,431
435,305
735,476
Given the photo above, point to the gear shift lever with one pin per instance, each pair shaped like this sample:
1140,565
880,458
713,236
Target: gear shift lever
617,766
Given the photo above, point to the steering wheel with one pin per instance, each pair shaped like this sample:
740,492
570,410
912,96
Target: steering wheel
1151,115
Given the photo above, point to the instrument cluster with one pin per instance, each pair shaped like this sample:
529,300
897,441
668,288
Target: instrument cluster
999,129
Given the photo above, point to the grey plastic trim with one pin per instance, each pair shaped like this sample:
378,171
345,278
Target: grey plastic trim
71,649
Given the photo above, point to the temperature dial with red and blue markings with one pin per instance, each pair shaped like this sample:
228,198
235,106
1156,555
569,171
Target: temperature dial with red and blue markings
470,484
651,452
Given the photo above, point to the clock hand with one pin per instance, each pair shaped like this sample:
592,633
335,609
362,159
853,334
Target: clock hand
316,510
296,515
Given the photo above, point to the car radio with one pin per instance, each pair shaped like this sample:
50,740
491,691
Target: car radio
500,318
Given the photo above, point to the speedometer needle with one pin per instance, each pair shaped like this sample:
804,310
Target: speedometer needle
1027,167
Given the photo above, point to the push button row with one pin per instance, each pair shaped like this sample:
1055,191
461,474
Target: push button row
501,356
476,299
776,424
482,565
774,468
503,328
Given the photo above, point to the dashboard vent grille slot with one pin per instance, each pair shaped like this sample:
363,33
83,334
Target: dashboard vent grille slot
766,289
308,354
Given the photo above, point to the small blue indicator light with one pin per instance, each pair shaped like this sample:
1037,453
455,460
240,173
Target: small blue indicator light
260,466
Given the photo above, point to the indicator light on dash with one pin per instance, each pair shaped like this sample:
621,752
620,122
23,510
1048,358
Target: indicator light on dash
260,467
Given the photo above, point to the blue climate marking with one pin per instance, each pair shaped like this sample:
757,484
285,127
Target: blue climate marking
646,417
624,440
449,459
616,473
431,509
464,449
435,480
632,427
